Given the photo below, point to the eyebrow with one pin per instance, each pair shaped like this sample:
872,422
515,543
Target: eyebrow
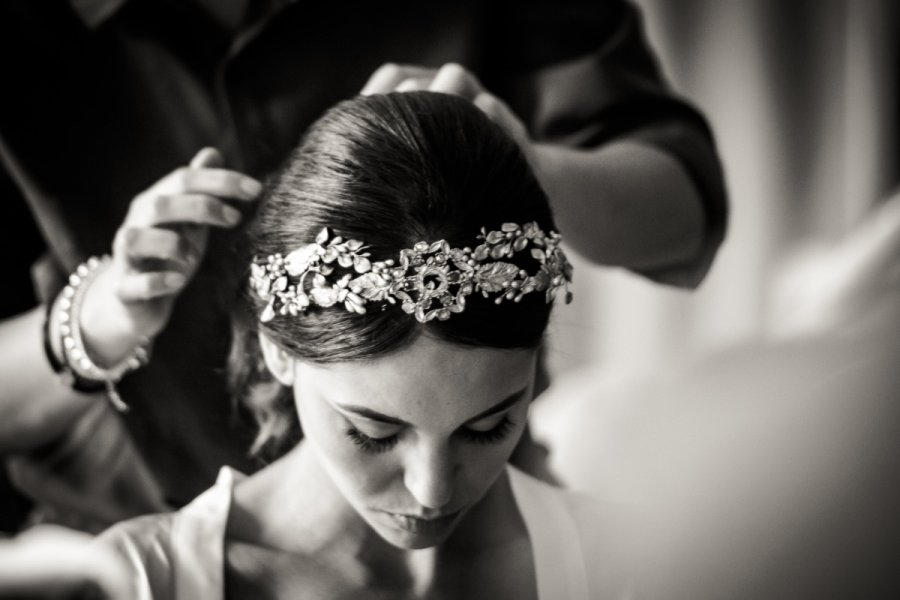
383,418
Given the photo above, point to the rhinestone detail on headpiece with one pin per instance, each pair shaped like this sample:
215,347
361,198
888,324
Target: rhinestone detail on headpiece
430,280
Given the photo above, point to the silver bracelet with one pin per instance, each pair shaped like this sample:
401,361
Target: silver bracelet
75,355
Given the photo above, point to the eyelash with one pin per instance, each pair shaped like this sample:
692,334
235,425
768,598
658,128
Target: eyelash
492,436
372,445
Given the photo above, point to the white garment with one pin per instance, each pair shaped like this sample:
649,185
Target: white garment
181,555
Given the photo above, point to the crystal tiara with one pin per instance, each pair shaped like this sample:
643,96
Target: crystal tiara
430,280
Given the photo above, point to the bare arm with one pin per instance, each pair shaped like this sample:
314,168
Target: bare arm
35,406
130,300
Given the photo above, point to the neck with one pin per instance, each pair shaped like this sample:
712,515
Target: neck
293,506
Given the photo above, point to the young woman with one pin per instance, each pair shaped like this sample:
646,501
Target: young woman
400,273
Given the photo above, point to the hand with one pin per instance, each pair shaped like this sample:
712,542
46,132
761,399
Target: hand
157,250
48,561
452,79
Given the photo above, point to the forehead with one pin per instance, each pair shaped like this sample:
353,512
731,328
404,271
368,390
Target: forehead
429,381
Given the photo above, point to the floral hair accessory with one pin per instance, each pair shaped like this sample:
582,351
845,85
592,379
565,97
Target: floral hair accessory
430,280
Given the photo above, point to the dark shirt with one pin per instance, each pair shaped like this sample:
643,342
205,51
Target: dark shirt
103,97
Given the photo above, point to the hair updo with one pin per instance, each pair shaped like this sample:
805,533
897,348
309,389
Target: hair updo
388,170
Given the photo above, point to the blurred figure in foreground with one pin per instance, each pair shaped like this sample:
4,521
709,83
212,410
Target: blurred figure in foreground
769,470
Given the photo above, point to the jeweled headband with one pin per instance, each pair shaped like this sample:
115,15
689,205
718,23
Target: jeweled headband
430,280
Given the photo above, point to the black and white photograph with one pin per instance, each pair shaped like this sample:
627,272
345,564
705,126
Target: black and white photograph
474,300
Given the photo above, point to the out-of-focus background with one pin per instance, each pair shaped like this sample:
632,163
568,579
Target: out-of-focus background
802,97
756,418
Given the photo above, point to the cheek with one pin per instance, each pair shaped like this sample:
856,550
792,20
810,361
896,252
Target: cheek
484,463
355,473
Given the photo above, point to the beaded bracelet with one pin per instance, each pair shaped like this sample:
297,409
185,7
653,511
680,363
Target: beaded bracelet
83,371
61,368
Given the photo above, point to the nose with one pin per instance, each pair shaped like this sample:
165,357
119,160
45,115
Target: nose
429,476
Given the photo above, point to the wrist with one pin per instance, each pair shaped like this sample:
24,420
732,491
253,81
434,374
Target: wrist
107,331
53,333
77,365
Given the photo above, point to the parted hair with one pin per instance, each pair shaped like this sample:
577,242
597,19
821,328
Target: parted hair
389,170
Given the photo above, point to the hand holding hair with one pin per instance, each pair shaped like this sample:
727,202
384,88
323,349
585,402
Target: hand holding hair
624,203
454,79
157,250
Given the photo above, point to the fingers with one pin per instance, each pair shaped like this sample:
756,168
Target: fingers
413,84
140,286
492,106
449,79
163,239
498,112
197,209
153,263
213,181
194,195
207,157
138,244
387,77
454,79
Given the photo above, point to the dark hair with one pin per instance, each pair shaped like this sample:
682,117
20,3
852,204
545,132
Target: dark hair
390,170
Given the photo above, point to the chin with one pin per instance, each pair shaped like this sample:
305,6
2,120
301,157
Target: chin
411,541
413,534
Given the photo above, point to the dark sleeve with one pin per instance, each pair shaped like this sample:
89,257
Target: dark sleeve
581,73
22,245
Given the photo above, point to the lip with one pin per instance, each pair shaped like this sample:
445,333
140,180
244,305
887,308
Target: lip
421,525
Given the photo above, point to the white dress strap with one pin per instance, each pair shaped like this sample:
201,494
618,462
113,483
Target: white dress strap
558,555
198,541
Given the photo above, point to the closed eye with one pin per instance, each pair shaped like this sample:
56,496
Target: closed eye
369,444
379,445
481,430
493,435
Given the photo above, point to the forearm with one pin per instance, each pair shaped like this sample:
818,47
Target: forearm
625,204
35,406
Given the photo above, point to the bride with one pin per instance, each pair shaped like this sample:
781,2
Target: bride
399,276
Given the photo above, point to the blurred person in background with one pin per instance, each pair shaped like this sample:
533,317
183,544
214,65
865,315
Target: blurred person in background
117,93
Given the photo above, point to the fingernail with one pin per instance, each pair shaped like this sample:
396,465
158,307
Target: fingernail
173,280
231,215
250,186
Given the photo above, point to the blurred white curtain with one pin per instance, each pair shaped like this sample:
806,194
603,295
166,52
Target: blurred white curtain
802,97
